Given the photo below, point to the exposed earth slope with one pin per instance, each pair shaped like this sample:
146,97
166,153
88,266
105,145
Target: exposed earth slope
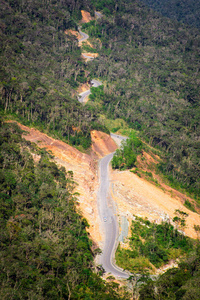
84,167
132,194
137,196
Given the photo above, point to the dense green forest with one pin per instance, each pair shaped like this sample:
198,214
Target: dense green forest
45,249
186,11
41,67
180,283
149,66
150,69
153,245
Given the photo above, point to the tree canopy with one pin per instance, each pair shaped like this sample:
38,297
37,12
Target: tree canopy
45,252
150,68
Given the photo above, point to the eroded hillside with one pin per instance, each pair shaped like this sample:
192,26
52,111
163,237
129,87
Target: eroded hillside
136,196
132,194
84,167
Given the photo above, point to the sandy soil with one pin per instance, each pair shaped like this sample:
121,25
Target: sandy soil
148,164
137,196
102,143
91,54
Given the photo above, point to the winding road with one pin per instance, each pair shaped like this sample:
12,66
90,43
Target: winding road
82,96
105,202
108,218
84,35
95,83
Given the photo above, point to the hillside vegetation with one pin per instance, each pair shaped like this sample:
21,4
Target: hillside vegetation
45,249
186,11
177,283
152,245
149,65
150,69
41,66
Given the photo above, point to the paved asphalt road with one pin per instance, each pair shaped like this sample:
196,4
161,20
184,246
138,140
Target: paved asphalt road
87,57
104,199
109,220
95,83
85,36
83,95
98,15
118,138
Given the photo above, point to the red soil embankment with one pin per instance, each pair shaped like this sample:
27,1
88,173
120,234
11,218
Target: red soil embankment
84,167
102,143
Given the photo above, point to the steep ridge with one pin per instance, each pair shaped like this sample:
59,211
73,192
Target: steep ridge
133,195
84,167
102,143
85,173
106,211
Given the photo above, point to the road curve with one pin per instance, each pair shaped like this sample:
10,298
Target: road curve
98,15
87,57
109,220
104,199
82,96
84,35
95,83
118,138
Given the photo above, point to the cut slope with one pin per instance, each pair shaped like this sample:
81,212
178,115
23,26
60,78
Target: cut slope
102,143
84,167
86,16
73,32
137,196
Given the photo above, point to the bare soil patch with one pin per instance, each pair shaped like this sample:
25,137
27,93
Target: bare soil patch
84,167
91,54
102,143
83,87
147,163
73,32
86,16
136,196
